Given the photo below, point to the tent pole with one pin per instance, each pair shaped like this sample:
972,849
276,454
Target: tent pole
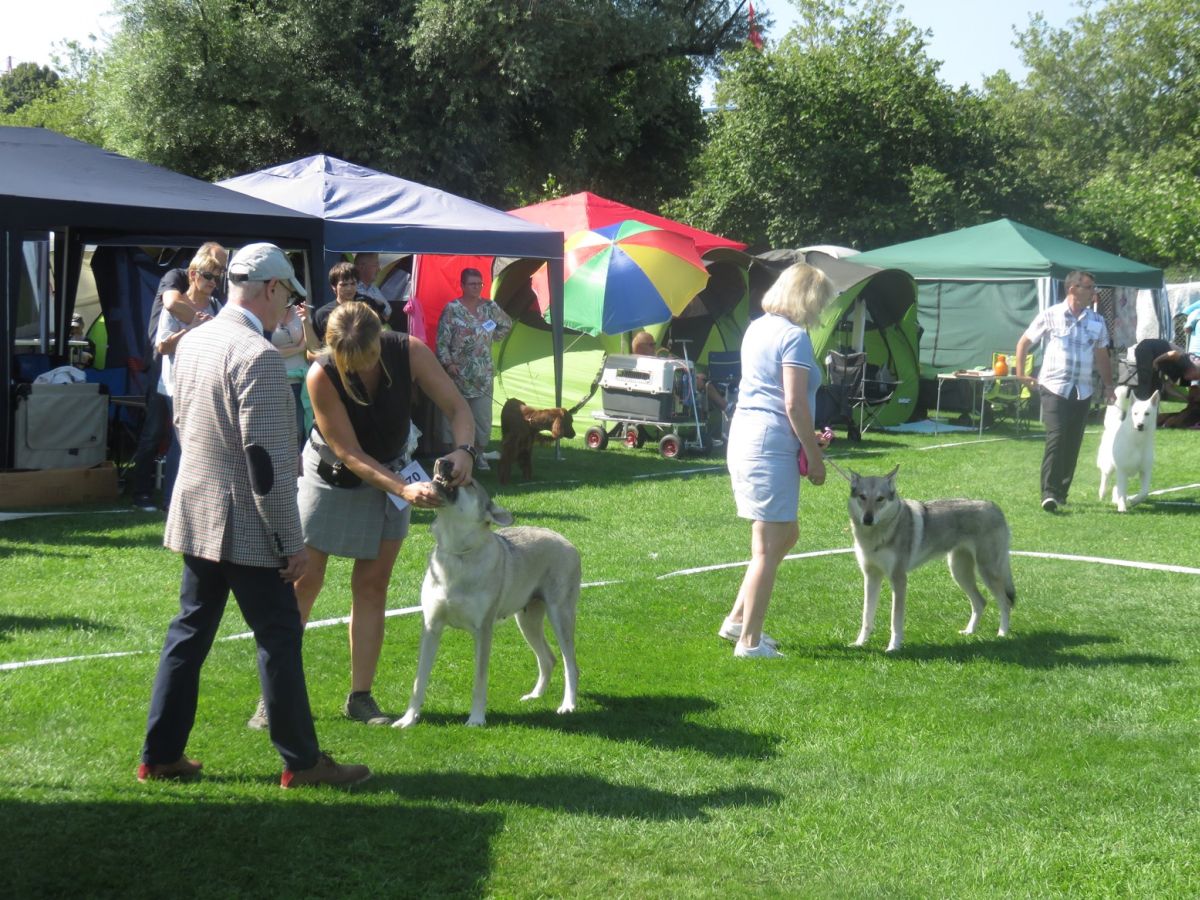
555,270
860,323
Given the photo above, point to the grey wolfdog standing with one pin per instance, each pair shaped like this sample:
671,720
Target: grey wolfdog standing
893,536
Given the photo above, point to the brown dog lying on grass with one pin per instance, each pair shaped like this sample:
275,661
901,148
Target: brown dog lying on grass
520,426
1188,417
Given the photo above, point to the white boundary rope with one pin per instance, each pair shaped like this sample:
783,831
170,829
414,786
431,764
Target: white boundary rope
412,610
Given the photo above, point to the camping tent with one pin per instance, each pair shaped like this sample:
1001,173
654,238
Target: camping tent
366,210
980,287
86,195
875,311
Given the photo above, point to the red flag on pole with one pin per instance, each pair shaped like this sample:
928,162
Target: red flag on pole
755,33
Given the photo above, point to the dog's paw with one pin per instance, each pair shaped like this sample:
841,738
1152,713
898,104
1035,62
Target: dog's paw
860,641
567,707
407,720
1003,632
474,721
533,695
970,629
893,647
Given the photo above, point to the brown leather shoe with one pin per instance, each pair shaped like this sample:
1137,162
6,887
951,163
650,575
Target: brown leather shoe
183,769
326,771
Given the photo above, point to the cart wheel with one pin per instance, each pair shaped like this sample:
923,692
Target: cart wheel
634,437
670,446
595,438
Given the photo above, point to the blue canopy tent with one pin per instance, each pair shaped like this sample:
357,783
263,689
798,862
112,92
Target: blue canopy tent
86,195
368,211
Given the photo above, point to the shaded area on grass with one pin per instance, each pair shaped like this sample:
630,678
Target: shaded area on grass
659,721
10,623
192,845
1036,650
577,794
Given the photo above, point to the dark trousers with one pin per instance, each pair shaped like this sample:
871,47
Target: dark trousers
154,426
269,607
1064,419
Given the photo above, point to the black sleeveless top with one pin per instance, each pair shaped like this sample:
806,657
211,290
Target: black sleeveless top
382,426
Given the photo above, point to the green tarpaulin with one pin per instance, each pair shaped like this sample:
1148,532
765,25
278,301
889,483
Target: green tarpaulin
980,287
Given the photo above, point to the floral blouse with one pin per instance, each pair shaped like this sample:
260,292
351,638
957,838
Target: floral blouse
465,340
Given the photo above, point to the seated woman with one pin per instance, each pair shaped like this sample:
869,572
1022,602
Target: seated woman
361,394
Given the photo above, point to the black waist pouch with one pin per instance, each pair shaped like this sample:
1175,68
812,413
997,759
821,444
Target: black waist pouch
337,474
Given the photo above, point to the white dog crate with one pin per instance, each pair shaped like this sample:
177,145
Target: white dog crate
60,426
646,387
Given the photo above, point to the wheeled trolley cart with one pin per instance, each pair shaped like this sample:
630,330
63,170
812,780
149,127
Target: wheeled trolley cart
648,397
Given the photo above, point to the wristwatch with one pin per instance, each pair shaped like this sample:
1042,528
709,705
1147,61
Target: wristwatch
470,448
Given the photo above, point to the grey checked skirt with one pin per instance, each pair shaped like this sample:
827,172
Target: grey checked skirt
346,521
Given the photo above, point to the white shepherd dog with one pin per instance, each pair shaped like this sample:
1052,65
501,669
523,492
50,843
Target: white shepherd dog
1127,446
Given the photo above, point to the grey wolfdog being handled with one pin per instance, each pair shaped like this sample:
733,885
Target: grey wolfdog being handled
893,536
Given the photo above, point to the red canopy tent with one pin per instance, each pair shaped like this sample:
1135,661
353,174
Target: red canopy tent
436,277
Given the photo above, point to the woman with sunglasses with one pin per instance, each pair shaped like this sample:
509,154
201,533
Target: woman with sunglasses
205,272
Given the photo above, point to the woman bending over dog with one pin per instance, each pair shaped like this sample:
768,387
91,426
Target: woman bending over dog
772,422
361,392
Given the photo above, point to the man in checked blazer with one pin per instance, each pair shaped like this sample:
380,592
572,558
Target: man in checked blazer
235,520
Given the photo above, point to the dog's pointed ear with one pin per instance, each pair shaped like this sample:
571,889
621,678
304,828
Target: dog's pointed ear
854,480
556,424
891,476
1154,399
498,515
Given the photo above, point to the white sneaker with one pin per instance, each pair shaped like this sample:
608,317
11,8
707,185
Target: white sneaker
492,455
732,631
762,651
481,465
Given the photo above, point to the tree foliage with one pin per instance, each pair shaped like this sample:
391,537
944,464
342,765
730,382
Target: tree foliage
486,98
67,102
25,83
1112,102
844,134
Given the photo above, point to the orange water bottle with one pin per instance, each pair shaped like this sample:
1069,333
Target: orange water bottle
1001,365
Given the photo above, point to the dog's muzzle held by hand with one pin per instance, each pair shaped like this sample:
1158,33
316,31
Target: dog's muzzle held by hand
443,474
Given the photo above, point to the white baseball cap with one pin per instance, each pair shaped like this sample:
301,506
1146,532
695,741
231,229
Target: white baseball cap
262,262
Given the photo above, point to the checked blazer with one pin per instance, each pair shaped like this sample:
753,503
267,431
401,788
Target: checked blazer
234,413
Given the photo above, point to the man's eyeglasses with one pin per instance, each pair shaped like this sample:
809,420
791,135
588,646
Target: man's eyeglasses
293,299
212,277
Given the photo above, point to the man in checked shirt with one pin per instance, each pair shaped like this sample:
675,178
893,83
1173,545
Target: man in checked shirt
1076,345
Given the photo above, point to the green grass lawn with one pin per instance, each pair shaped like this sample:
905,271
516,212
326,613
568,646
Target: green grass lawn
1062,760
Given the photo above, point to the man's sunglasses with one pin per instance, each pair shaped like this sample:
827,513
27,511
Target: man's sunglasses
212,276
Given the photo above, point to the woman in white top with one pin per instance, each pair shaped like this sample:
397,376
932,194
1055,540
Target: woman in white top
295,339
772,422
205,272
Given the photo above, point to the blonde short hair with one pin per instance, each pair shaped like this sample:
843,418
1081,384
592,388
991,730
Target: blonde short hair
352,335
206,260
800,295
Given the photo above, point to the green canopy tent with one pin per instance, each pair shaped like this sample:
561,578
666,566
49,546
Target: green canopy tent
980,287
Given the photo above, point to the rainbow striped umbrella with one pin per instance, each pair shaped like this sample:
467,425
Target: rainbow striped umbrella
628,275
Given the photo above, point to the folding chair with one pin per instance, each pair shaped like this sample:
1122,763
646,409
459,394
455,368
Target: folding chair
1012,398
725,373
857,390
